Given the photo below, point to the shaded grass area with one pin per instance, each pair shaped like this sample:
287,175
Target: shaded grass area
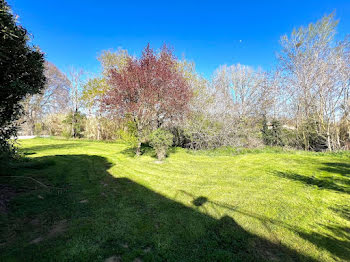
99,201
329,182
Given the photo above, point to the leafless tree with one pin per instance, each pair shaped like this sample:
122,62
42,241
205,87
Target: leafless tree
227,110
75,77
315,69
53,99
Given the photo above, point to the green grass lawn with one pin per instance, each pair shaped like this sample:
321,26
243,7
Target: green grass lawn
102,202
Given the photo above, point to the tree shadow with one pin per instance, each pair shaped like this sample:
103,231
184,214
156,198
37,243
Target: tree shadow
146,150
108,216
29,150
337,168
342,211
325,182
338,247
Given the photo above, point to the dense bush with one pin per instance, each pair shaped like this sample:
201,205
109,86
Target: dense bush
161,140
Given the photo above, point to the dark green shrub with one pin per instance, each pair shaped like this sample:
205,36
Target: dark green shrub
180,138
272,134
76,123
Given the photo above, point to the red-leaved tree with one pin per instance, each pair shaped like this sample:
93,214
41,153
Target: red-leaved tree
150,90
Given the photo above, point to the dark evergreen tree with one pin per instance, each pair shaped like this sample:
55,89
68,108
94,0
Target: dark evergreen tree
272,135
266,134
276,133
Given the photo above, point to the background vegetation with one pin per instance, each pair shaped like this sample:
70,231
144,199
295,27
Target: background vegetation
303,103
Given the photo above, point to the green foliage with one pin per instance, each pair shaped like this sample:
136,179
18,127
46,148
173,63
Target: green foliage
265,131
272,135
21,73
93,90
307,137
161,140
291,139
276,133
128,134
116,60
77,123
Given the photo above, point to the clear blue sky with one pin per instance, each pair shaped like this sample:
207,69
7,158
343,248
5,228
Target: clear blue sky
73,32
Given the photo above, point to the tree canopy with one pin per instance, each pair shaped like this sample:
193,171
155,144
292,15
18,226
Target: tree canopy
150,90
21,72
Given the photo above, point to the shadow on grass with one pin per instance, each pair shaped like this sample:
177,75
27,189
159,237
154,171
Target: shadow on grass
338,247
343,211
338,168
326,182
29,150
108,216
336,183
29,153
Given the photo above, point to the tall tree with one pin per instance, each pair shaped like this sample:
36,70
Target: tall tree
150,90
75,77
95,88
21,72
315,68
237,96
54,98
242,88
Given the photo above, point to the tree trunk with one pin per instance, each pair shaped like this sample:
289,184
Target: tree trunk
32,127
329,139
72,129
338,138
306,142
138,149
139,135
73,123
98,127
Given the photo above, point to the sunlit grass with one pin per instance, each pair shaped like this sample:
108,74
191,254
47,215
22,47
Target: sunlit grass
219,205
